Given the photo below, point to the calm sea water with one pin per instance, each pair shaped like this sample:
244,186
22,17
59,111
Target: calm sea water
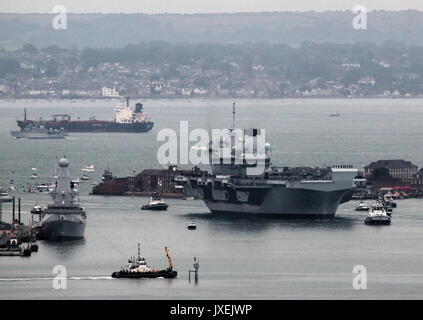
240,258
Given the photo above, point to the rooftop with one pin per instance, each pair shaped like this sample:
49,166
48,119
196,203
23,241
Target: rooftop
391,164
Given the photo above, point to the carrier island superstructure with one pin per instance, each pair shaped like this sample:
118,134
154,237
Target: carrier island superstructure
238,185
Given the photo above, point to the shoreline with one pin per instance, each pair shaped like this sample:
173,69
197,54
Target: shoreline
3,99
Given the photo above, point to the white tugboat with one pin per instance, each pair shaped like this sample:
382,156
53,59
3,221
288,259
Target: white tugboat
64,219
377,215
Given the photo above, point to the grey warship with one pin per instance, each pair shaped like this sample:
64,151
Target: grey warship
64,219
38,132
295,192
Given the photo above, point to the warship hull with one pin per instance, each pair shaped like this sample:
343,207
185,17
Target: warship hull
275,195
282,202
35,135
62,229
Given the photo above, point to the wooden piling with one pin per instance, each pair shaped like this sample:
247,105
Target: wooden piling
195,270
19,210
13,210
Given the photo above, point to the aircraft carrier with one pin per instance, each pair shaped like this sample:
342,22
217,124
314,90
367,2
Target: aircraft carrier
298,192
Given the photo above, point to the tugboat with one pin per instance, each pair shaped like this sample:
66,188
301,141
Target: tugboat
192,225
155,203
362,207
377,215
138,268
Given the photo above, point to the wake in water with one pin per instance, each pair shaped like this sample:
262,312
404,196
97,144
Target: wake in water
51,278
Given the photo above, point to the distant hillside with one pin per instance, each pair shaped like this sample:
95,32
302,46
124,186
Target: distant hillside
116,30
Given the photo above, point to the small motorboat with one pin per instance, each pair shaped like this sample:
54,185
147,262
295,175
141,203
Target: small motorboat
34,176
138,268
4,196
46,187
11,247
155,203
389,202
26,251
388,209
377,215
37,209
362,207
192,225
89,168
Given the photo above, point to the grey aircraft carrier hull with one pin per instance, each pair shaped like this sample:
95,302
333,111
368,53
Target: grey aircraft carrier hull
282,202
317,197
62,230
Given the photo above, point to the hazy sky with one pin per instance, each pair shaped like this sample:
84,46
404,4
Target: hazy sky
200,6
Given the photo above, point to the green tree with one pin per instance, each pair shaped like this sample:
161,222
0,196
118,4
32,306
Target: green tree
30,48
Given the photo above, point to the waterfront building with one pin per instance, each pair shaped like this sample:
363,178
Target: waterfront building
397,168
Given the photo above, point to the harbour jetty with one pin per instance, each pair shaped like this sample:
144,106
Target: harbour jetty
13,235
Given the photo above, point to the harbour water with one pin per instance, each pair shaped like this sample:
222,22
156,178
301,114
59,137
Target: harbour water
240,258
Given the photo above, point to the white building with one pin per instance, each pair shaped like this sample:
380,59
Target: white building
109,92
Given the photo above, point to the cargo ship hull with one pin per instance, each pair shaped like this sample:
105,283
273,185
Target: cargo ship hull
89,126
